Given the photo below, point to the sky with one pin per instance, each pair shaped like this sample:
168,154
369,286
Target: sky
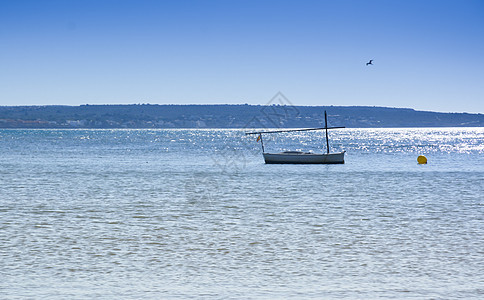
427,54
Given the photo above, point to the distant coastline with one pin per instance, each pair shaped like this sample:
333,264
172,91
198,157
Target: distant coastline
226,116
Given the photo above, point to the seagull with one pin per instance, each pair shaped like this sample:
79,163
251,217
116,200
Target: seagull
370,62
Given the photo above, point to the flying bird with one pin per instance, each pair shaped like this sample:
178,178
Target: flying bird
370,62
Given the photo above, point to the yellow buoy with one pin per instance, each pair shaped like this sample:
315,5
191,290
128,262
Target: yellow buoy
422,160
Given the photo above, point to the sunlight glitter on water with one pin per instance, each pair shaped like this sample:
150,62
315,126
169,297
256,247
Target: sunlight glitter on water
129,214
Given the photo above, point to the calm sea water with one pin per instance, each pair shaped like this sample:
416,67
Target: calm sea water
160,214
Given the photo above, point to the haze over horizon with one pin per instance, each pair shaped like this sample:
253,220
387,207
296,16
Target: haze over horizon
427,55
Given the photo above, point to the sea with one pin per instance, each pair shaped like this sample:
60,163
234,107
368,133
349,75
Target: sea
196,214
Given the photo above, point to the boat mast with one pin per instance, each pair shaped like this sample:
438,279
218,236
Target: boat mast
326,127
293,130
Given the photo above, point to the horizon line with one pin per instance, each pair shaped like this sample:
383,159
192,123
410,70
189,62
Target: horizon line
240,104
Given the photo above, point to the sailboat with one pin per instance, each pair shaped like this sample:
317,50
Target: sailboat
300,157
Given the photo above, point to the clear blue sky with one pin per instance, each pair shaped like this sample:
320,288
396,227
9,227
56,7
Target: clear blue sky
428,54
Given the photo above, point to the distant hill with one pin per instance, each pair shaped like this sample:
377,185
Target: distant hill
226,116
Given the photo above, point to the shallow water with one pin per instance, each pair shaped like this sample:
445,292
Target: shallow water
126,214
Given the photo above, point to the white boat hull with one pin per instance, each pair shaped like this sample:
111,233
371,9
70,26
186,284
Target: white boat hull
295,157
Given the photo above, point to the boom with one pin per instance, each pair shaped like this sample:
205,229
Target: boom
291,130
